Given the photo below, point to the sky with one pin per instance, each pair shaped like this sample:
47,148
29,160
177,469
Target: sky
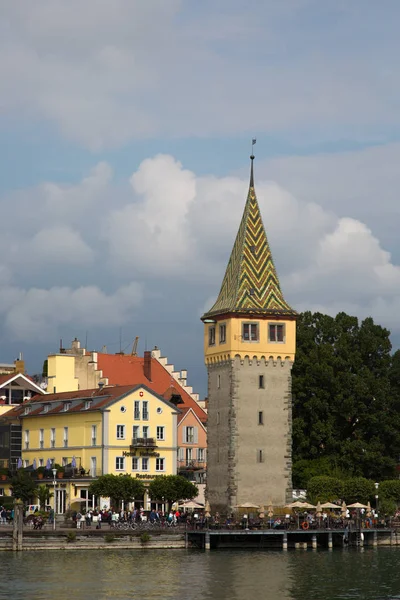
125,132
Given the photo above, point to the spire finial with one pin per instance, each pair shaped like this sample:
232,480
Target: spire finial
253,141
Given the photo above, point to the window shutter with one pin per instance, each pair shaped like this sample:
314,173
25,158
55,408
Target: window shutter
196,435
181,454
184,435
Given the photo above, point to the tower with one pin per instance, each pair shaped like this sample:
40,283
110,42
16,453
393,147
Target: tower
249,347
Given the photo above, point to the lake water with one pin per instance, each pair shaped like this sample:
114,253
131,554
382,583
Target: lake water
191,575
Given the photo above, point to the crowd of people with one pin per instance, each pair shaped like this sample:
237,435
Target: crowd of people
97,517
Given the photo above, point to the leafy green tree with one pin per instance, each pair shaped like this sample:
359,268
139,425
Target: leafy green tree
23,487
120,488
390,490
172,488
358,489
387,507
43,494
324,489
346,406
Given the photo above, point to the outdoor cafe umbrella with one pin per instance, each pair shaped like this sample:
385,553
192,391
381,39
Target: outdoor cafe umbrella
343,510
369,509
357,505
247,505
261,512
191,504
298,504
330,505
319,510
207,508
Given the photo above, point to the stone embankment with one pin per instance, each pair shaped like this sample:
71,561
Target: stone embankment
73,539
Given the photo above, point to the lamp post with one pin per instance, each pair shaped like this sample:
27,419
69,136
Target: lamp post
376,498
54,503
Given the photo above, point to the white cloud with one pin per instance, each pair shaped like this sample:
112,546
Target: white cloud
37,313
59,245
108,72
172,228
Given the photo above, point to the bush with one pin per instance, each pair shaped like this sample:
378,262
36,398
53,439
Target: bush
109,538
145,537
387,507
390,490
71,536
358,489
324,489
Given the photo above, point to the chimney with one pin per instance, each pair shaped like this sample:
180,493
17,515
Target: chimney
147,364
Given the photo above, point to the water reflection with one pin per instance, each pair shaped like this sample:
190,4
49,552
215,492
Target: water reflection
191,575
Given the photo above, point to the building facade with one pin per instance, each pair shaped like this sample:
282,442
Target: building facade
75,367
249,347
117,429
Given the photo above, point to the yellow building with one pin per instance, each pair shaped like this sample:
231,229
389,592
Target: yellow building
116,429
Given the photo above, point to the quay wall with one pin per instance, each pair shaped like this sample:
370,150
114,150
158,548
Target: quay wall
60,541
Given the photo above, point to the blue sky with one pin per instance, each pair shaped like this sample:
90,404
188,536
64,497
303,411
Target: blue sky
125,135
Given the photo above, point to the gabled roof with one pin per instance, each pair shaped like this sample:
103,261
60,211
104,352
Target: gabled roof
251,284
100,399
11,377
185,412
123,369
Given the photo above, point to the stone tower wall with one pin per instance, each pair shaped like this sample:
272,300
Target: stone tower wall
237,473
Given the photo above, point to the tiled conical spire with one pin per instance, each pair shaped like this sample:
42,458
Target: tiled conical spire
251,284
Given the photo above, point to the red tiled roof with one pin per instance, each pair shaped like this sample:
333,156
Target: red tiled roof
7,377
123,369
106,395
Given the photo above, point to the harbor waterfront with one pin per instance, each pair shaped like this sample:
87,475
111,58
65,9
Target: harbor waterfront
121,575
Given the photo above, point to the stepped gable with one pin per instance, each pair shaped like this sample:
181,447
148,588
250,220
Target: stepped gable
124,369
251,284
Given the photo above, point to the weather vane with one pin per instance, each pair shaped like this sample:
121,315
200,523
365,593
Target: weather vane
253,142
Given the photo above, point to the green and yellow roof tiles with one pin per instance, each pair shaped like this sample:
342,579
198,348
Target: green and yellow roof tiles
251,284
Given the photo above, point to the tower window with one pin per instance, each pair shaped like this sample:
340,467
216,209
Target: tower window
261,382
250,332
211,336
260,417
218,381
222,333
276,332
260,456
252,291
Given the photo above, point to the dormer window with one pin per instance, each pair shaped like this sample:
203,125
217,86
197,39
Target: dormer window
46,408
67,406
27,410
88,404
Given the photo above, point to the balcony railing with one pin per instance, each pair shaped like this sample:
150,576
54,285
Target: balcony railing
144,442
191,465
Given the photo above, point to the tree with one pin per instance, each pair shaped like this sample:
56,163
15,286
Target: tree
358,489
324,489
23,487
346,407
390,490
120,488
172,488
43,494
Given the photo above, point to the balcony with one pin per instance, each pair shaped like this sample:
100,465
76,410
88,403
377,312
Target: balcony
191,465
144,443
